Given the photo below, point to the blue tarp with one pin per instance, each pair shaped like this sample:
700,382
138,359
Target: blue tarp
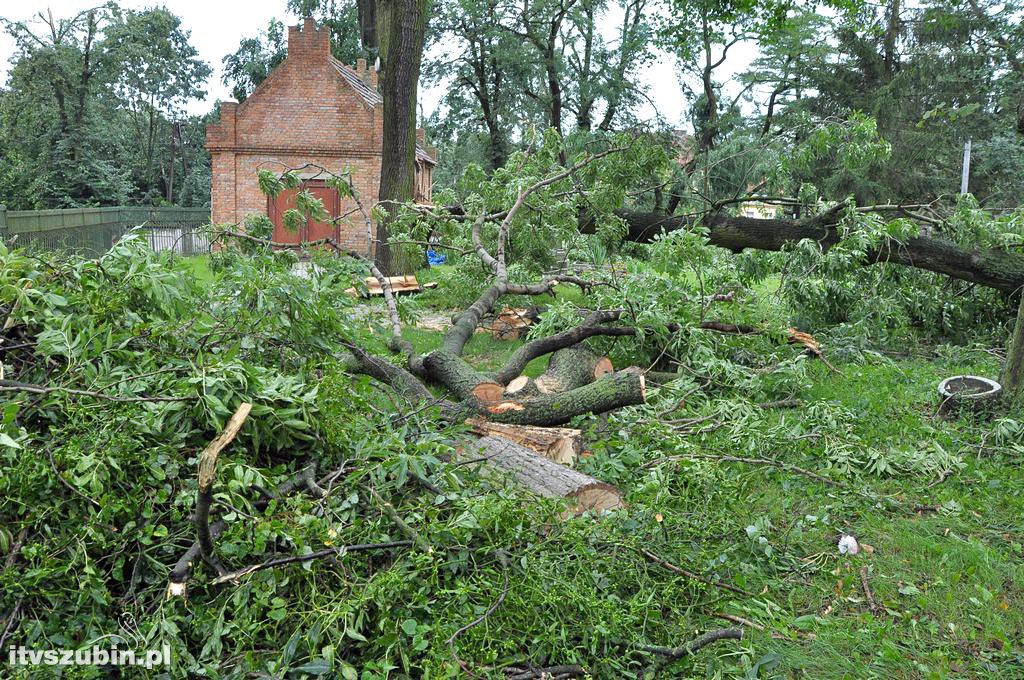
435,258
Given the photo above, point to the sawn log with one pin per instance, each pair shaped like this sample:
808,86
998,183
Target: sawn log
542,476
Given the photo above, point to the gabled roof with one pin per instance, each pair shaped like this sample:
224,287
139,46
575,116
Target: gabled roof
422,155
372,99
369,94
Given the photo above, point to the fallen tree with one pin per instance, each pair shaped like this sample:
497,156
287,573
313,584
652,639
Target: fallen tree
991,267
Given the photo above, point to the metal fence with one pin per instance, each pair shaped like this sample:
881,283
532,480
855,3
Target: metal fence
92,231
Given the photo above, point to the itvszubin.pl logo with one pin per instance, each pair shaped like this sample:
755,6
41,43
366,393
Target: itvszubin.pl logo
108,650
89,656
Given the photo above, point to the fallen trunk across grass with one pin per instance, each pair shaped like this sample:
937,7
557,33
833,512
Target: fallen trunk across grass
993,268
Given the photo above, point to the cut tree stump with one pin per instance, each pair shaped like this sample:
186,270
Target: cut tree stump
573,367
559,444
544,477
521,387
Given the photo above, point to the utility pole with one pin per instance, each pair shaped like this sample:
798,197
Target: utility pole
966,174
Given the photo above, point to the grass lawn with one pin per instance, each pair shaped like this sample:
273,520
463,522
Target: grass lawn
945,570
941,552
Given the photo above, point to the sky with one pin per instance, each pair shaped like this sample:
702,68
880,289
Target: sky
218,26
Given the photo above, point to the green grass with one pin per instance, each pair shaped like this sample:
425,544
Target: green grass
200,267
948,583
483,350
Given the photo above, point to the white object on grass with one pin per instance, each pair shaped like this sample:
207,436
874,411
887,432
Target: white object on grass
848,545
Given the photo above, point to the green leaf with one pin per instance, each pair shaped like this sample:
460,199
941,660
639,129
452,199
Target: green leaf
318,667
5,440
409,627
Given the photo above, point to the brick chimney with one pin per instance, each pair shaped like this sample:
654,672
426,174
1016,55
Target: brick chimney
308,40
421,137
362,71
373,78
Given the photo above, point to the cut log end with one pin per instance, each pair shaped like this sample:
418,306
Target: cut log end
599,497
517,384
488,392
603,367
505,407
559,444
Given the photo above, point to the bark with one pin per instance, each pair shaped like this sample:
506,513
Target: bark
1012,378
542,476
400,33
991,268
609,393
707,136
455,373
572,367
769,116
559,444
405,382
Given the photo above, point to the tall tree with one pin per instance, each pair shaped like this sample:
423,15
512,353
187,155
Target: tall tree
157,71
601,71
401,35
484,64
255,58
938,79
59,121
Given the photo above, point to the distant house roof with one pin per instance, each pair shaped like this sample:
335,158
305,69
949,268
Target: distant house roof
369,94
372,99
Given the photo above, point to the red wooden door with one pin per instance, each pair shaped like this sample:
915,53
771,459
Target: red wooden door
313,230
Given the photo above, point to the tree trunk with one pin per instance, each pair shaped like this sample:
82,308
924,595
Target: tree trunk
367,13
455,373
568,368
544,477
607,394
991,268
401,30
573,367
559,444
1012,378
891,33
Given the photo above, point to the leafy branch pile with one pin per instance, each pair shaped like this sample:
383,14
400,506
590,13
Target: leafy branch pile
352,529
119,371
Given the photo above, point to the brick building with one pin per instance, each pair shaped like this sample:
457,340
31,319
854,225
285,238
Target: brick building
310,109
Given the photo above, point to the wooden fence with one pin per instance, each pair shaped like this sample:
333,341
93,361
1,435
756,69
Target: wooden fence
92,231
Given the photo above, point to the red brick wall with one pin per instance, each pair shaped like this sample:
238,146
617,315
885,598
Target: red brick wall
302,113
